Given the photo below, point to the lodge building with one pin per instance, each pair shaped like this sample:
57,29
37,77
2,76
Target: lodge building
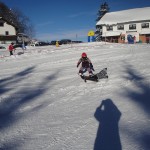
117,26
8,33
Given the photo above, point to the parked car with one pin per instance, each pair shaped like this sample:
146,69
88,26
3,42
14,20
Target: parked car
65,41
2,47
42,44
77,42
54,43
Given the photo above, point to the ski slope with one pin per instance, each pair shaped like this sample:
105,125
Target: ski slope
45,105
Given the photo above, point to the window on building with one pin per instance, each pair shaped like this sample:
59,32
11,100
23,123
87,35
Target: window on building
98,27
1,24
6,33
132,26
120,27
145,25
109,28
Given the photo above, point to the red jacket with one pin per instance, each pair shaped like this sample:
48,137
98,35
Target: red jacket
11,48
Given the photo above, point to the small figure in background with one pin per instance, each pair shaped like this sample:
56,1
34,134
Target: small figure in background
11,48
134,39
23,46
57,44
147,40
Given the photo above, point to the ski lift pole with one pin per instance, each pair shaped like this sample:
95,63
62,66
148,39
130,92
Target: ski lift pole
76,37
23,43
105,37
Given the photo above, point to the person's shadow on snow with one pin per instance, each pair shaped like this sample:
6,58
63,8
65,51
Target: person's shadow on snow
108,116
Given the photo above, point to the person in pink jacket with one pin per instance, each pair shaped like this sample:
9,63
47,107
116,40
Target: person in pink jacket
86,65
11,48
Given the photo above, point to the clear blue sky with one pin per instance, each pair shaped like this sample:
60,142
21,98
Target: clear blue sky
61,19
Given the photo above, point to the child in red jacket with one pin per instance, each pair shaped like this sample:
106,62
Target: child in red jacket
86,65
11,48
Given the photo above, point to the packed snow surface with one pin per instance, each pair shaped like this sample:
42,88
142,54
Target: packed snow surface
45,105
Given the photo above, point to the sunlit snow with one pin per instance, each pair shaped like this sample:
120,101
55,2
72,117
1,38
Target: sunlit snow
45,105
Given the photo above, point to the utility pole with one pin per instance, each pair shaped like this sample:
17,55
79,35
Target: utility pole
105,37
76,37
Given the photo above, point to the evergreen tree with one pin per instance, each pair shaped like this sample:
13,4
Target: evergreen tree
104,8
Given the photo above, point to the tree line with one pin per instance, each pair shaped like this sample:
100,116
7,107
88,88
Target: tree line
15,17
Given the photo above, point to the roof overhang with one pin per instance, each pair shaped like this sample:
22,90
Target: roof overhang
111,33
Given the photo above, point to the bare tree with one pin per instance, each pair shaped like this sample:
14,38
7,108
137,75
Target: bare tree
6,14
24,24
16,18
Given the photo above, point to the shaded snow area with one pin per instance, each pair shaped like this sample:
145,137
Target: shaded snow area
45,105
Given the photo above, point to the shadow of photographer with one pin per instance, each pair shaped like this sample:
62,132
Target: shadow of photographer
108,116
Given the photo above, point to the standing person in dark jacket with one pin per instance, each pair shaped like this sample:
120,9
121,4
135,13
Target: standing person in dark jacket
11,48
147,40
86,65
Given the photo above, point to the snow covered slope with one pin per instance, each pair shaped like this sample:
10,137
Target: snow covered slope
45,105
